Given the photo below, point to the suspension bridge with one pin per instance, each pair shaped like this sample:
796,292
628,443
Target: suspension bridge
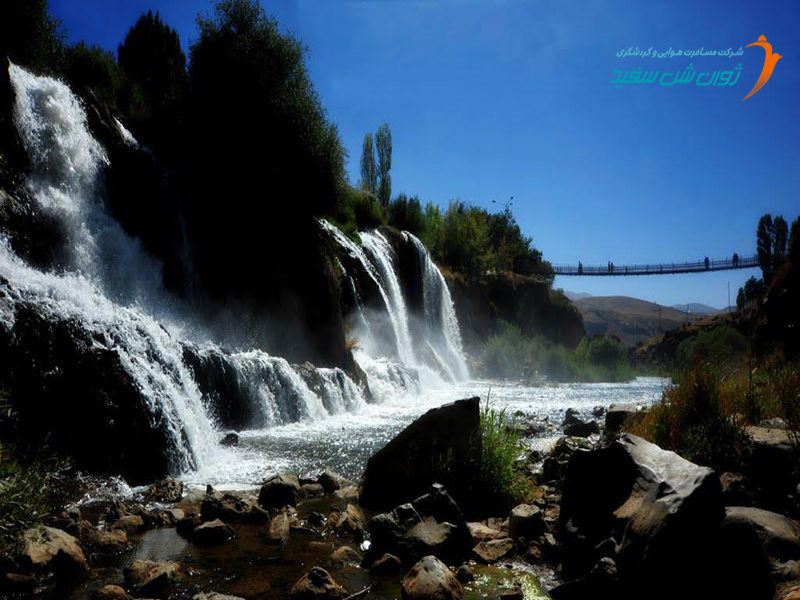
702,266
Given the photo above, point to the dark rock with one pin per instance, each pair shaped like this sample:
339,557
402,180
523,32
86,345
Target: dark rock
329,482
735,489
443,445
150,578
232,508
511,593
230,439
279,491
129,524
388,564
430,579
18,583
317,584
618,414
583,430
344,555
493,550
350,523
49,549
110,592
660,512
555,465
167,490
601,582
186,525
212,533
598,411
773,467
779,535
480,532
526,521
465,575
571,418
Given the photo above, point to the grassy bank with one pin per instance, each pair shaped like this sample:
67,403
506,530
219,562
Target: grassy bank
511,354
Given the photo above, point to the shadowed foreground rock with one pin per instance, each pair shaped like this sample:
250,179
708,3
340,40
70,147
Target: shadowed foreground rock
442,446
654,513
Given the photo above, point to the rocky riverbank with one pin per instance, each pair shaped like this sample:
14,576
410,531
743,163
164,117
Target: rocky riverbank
611,515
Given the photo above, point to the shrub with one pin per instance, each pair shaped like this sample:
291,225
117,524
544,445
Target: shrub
723,346
407,214
500,451
698,419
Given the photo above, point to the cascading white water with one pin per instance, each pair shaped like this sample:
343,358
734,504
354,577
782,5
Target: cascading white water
441,336
444,336
112,289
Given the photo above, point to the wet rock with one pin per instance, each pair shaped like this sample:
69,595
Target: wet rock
345,555
229,440
129,524
601,582
735,489
110,592
555,465
311,490
465,575
317,584
598,411
493,550
581,429
329,482
316,519
150,578
350,523
658,512
571,418
617,414
167,490
103,542
212,533
185,526
430,579
388,564
279,491
49,549
430,537
215,596
18,583
279,527
443,446
232,508
526,521
479,532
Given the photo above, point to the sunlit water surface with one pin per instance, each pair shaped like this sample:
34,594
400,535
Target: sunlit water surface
345,442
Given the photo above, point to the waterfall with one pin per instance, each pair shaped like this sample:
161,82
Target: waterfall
439,348
110,288
444,336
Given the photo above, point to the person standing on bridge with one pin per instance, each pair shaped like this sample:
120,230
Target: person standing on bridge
735,260
580,268
706,262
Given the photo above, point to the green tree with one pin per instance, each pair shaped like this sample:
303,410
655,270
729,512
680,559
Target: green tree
765,242
369,171
151,57
383,143
30,36
780,238
794,242
92,67
751,291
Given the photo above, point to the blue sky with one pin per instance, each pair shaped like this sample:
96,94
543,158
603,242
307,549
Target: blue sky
500,98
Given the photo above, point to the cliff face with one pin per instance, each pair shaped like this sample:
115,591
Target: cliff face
481,305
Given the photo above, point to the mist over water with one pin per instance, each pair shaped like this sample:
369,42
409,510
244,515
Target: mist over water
289,417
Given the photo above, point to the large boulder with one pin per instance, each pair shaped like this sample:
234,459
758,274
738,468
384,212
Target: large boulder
212,533
656,514
443,445
151,579
50,549
280,491
618,414
232,507
430,579
773,466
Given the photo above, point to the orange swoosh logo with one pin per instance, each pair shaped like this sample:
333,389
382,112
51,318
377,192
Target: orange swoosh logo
770,59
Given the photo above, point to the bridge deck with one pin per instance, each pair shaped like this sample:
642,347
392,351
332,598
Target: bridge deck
724,264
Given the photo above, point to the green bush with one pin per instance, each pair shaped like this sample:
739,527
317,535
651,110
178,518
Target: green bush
721,346
407,214
500,450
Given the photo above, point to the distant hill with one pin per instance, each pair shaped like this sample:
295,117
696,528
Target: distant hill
695,308
577,295
630,319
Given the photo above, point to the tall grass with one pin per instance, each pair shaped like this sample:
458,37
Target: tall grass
500,451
